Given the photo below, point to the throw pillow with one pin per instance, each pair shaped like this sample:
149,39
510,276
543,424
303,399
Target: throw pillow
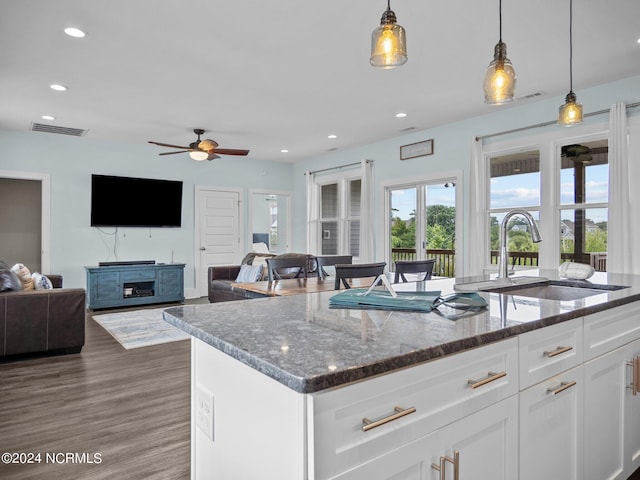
258,260
9,281
249,273
40,282
24,275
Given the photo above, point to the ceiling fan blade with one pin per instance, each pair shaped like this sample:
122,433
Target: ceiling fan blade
173,153
230,151
168,145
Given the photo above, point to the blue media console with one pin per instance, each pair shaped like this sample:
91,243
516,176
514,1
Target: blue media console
133,284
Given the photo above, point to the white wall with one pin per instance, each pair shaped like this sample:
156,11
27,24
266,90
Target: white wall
70,161
452,148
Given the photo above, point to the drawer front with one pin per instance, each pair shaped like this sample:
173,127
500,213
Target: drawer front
607,330
138,276
548,351
440,391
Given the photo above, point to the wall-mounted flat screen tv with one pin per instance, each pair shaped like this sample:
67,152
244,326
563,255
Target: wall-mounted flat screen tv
135,202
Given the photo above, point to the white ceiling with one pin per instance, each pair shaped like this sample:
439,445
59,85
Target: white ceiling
284,74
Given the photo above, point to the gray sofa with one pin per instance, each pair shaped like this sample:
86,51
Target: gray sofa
42,321
220,279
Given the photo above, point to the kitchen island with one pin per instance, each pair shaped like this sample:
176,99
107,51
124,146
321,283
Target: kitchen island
290,388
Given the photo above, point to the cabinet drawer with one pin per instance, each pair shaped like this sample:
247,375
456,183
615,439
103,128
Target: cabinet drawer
548,351
607,330
138,276
440,391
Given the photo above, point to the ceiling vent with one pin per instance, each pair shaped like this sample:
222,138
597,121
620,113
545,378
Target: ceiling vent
530,96
408,129
41,127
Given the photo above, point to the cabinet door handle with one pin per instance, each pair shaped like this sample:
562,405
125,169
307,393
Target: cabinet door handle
560,388
557,351
440,468
443,462
635,375
491,376
400,412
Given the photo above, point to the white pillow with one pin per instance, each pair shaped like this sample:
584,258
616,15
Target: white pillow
40,282
249,273
24,275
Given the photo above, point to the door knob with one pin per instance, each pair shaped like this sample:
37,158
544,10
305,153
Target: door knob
202,248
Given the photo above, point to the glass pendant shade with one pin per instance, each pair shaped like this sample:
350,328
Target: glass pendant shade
388,43
500,78
571,112
198,155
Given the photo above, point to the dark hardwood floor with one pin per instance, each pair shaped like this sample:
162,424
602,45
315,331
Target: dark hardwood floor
128,411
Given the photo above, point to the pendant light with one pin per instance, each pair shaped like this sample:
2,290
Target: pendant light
571,112
500,79
388,42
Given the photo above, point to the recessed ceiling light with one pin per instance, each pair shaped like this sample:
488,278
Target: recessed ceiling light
48,117
58,88
332,136
74,32
401,115
284,150
639,40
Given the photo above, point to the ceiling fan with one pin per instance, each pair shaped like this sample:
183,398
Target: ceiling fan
206,149
577,153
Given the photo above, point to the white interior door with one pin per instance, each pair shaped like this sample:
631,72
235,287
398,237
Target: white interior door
219,231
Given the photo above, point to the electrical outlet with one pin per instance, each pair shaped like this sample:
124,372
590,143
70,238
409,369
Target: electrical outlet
204,411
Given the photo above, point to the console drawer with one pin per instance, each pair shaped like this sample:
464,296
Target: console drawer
548,351
138,276
439,390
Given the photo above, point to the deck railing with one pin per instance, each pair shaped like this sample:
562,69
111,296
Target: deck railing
446,259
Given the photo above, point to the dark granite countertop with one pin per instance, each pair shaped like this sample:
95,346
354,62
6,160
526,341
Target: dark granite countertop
302,343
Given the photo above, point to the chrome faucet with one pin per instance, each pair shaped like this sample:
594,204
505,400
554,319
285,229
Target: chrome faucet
503,262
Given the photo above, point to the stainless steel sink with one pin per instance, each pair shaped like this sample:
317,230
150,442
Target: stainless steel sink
539,287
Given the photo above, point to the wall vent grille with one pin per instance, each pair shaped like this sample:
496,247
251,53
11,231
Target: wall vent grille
42,127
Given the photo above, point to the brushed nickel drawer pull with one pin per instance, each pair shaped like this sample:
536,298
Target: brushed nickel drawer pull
491,377
561,388
557,351
635,375
400,412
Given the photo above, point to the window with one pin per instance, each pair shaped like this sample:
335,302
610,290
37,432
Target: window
340,203
567,195
514,183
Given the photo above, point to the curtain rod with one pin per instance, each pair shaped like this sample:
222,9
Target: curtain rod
338,167
546,124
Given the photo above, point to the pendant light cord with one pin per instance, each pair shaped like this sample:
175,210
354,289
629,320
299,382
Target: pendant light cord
500,17
571,45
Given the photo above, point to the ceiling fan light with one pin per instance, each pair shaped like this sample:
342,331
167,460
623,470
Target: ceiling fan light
570,113
500,78
388,42
198,155
207,144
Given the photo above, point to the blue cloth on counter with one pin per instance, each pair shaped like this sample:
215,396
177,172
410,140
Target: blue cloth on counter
405,301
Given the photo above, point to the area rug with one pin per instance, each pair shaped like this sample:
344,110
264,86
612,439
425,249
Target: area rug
139,328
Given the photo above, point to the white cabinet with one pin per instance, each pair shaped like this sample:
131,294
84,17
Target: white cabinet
551,428
612,415
427,397
481,446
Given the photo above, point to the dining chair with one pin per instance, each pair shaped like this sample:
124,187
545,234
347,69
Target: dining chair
279,268
414,266
329,261
358,270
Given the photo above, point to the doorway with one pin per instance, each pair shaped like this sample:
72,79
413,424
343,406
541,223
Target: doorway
25,219
422,223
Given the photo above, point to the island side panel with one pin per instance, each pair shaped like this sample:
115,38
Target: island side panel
258,423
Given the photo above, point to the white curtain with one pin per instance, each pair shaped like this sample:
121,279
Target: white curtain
476,243
620,229
312,214
367,252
